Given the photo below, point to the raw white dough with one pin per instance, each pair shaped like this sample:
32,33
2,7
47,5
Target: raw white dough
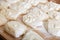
31,35
15,28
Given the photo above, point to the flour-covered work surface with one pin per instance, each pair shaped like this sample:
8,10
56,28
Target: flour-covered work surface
29,20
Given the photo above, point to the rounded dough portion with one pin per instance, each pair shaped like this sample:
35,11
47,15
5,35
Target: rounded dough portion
12,15
54,27
15,28
34,16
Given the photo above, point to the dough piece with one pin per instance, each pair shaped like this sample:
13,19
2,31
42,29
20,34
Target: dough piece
6,3
31,35
43,7
3,20
24,8
36,2
21,7
54,27
15,28
35,15
52,5
35,19
12,14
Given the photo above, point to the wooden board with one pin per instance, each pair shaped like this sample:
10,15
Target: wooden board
7,36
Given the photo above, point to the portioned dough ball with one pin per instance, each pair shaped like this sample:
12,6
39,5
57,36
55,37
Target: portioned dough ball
54,27
15,28
12,14
3,20
31,35
34,2
24,8
34,15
